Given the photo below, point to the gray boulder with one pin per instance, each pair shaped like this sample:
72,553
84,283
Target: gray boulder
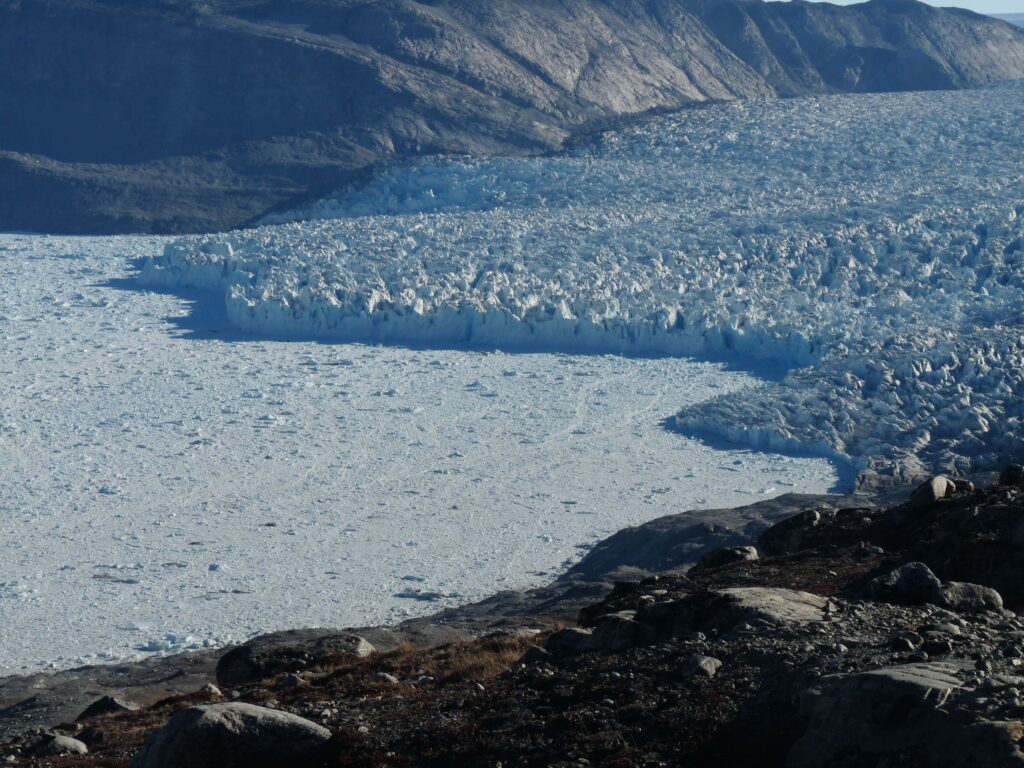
898,714
752,605
727,556
232,735
910,584
287,652
618,633
970,598
614,634
106,705
788,536
915,584
56,745
571,641
702,666
931,492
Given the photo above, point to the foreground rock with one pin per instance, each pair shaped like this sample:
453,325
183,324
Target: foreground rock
879,716
837,652
232,736
57,745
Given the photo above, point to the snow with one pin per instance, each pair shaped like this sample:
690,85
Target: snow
872,245
171,484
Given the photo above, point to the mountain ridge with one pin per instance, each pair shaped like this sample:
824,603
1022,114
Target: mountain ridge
175,116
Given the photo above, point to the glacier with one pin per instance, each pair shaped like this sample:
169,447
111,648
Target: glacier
869,247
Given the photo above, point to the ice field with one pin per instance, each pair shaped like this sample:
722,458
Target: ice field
307,423
166,485
873,244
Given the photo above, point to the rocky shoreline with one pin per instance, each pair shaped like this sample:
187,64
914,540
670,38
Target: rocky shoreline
805,631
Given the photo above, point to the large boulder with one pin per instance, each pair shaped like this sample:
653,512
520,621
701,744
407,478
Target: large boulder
571,641
788,536
931,492
898,715
285,652
970,598
915,584
727,609
619,633
57,745
233,735
751,605
727,556
910,584
106,705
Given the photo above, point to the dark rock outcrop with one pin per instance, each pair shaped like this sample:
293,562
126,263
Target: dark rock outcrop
179,115
106,705
287,652
727,556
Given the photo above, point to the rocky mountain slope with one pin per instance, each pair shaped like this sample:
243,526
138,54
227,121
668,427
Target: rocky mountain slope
855,637
178,115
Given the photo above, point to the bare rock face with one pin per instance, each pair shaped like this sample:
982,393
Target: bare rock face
770,605
232,736
174,116
871,717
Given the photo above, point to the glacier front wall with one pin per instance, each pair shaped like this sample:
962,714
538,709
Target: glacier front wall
871,246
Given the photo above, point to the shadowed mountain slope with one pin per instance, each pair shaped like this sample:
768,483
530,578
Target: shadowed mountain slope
174,115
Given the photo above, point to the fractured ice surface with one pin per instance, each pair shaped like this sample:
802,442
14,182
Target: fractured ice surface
872,245
167,484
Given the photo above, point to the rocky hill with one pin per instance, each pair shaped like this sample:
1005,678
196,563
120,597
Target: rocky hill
180,115
855,637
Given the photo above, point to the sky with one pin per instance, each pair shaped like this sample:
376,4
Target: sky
981,6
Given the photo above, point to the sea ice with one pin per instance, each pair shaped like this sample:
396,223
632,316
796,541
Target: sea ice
268,485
